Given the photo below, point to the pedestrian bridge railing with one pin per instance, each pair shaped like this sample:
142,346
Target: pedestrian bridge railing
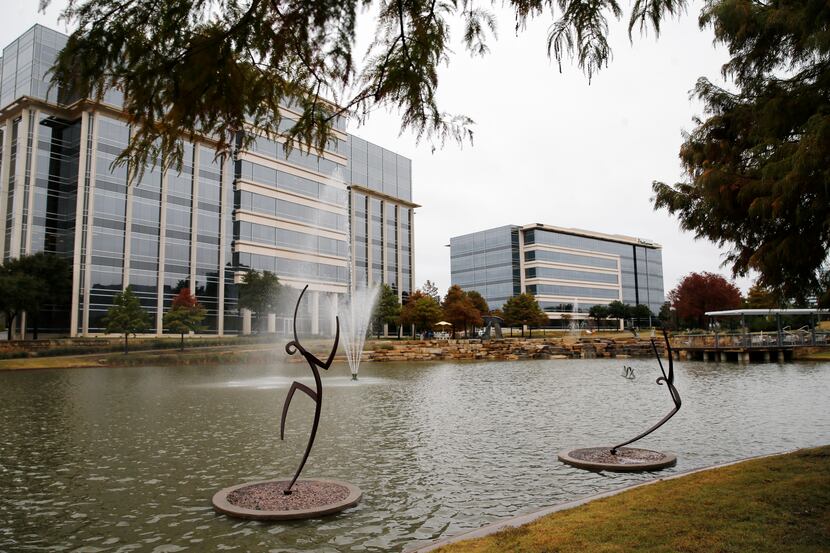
752,340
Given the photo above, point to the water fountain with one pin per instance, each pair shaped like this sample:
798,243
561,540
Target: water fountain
355,313
573,323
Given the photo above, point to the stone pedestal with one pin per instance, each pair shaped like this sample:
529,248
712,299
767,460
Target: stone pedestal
266,500
626,459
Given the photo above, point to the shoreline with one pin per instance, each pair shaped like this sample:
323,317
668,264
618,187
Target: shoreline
518,524
377,351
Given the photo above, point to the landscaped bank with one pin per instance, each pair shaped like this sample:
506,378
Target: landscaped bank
262,350
776,504
513,349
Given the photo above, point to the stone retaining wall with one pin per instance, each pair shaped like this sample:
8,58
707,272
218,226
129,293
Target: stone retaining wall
511,349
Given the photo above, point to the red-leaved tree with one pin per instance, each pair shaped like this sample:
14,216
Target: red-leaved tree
698,293
185,314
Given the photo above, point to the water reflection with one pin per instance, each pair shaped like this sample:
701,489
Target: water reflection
127,459
278,382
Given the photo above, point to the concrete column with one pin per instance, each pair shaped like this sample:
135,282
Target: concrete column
272,323
723,357
26,244
744,357
19,178
246,321
4,180
314,307
705,356
767,356
333,320
90,209
780,355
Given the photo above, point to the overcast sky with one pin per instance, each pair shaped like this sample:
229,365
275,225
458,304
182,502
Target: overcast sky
549,147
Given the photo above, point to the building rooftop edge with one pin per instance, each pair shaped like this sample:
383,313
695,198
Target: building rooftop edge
593,234
575,231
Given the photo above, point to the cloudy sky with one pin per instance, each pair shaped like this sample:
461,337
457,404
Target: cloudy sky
549,147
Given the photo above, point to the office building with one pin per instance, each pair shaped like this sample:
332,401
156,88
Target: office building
567,270
334,221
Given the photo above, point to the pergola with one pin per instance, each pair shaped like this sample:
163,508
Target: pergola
815,314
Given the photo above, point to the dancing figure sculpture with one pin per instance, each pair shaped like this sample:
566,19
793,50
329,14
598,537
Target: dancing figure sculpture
291,348
669,380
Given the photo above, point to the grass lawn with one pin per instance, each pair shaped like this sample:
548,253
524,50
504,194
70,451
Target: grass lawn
66,362
777,504
190,356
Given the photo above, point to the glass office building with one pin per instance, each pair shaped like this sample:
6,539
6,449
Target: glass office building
335,221
567,270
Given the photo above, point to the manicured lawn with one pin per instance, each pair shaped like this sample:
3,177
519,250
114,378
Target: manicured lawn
192,355
776,504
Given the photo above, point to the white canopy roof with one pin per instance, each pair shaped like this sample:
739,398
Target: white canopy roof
767,312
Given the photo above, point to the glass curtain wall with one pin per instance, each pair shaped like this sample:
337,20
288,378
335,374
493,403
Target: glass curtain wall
208,226
376,229
360,249
178,228
108,216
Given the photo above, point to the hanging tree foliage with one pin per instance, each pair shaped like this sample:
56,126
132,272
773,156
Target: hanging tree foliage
213,66
759,165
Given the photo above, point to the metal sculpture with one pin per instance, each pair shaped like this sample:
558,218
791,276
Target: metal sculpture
291,348
669,380
628,372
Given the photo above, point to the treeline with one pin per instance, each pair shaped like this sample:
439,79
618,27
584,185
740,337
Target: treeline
699,293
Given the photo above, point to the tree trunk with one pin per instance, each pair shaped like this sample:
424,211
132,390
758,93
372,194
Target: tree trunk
10,325
182,344
35,326
126,347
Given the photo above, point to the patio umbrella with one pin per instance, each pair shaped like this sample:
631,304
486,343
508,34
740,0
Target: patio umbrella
443,323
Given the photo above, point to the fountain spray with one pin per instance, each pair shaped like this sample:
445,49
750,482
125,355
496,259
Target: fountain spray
355,314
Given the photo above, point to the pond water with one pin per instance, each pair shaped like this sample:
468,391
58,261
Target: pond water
95,460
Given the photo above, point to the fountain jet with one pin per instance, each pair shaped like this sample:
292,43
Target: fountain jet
355,314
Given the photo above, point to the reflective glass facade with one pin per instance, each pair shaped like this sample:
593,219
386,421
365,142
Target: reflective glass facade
568,270
321,219
487,262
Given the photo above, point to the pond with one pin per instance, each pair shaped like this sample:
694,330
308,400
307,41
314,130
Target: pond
96,460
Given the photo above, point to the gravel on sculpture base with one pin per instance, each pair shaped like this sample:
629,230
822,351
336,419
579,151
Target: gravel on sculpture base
626,459
266,500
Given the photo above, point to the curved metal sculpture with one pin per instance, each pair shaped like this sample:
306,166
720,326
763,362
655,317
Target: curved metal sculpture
291,348
669,380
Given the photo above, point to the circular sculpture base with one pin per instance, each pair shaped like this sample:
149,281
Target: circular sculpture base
627,459
265,500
